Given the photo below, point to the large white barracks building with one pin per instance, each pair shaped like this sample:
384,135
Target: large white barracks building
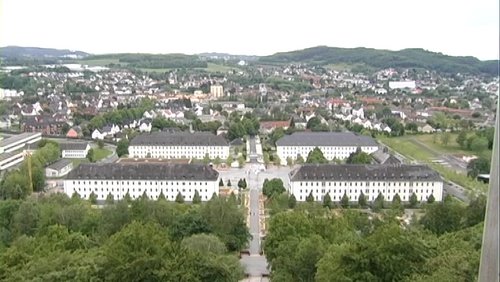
334,145
179,145
352,179
118,179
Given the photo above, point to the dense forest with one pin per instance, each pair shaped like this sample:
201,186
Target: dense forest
406,58
57,238
164,61
312,242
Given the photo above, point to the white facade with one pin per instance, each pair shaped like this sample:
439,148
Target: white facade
402,84
75,154
10,159
330,152
217,91
178,152
17,142
136,188
371,189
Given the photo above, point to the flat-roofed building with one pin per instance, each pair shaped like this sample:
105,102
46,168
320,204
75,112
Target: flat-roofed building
179,145
351,179
118,179
59,168
74,150
11,159
19,141
334,145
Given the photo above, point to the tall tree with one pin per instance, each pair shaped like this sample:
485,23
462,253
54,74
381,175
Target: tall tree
179,198
196,197
292,201
316,157
344,202
327,201
362,200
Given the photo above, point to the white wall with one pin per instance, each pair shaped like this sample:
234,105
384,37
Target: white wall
177,152
153,188
330,152
371,189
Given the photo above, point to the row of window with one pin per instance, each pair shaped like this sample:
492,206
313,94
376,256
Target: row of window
388,184
102,196
140,190
355,198
366,191
106,182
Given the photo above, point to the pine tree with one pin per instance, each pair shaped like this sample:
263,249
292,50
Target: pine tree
344,202
179,198
292,202
161,197
75,196
214,196
229,183
413,200
310,197
378,204
244,183
93,198
362,200
144,196
110,199
327,201
431,199
127,197
221,183
240,183
196,197
396,202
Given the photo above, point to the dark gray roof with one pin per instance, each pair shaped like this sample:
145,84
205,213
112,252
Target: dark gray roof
179,139
59,164
148,171
15,138
7,155
354,172
326,139
73,145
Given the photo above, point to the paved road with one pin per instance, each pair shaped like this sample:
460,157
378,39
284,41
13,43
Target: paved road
255,264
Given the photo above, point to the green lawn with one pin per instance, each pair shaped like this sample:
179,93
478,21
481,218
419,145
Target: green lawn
451,148
408,148
101,153
77,162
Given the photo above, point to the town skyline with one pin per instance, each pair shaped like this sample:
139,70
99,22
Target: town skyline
252,29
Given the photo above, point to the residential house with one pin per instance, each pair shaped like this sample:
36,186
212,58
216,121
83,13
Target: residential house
59,168
74,150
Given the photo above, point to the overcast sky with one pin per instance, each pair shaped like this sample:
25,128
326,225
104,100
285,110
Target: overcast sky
252,27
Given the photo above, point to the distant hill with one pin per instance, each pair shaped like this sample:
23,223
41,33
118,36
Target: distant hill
39,53
406,58
226,56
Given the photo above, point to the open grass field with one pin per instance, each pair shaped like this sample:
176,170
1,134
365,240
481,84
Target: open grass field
407,147
77,162
101,153
99,62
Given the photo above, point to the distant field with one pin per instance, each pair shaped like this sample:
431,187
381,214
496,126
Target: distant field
99,62
219,68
